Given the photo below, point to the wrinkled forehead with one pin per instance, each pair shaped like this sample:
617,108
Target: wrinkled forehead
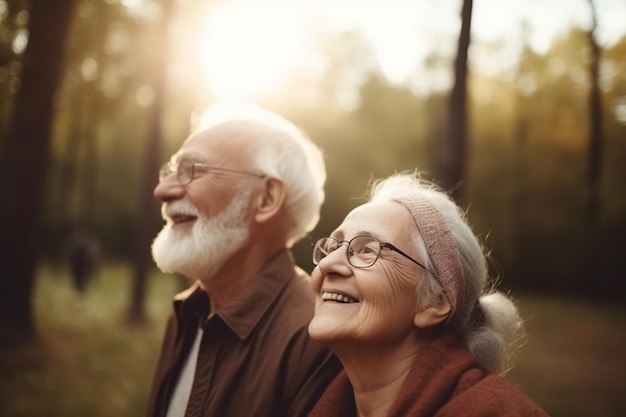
228,140
232,130
386,220
223,132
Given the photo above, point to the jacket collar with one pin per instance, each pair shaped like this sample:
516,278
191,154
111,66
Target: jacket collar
244,311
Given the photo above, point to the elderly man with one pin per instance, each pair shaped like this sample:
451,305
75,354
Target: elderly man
243,188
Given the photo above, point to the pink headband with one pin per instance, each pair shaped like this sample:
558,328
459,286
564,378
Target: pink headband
440,246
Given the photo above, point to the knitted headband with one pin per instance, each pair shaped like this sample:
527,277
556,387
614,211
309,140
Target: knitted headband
440,246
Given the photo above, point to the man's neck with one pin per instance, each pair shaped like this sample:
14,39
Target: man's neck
235,275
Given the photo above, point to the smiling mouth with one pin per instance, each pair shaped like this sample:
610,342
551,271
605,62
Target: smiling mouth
340,298
182,218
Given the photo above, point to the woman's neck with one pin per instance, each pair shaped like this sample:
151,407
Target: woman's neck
376,375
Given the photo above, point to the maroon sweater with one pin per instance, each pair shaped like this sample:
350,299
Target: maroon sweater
445,380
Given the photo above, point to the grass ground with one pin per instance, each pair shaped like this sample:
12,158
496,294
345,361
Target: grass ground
574,361
91,362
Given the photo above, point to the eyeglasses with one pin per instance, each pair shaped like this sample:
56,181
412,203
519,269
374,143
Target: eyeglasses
362,252
185,170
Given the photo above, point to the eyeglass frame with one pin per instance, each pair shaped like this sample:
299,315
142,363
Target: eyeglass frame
349,242
170,167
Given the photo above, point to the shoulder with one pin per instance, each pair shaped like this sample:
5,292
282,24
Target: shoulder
287,320
297,294
491,395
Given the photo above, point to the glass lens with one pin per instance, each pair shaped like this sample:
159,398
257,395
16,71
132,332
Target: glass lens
185,171
363,251
165,171
323,247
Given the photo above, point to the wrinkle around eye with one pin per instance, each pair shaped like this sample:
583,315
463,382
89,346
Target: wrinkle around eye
398,274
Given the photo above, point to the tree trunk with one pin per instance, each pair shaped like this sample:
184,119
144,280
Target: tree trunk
595,277
454,149
24,167
595,120
519,166
147,205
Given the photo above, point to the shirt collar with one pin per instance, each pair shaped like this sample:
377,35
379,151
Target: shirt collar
244,311
191,306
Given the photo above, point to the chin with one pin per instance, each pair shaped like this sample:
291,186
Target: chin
172,251
323,330
198,252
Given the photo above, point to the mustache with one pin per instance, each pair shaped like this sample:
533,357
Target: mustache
178,208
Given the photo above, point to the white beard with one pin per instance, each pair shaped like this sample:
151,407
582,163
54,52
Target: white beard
212,241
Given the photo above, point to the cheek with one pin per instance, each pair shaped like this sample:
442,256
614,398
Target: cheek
396,292
316,280
399,278
210,200
200,197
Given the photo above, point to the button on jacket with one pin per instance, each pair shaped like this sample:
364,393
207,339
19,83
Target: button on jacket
255,358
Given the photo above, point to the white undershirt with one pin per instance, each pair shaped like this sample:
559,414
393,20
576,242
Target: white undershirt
180,397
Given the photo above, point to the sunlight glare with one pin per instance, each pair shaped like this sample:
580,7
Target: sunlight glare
248,51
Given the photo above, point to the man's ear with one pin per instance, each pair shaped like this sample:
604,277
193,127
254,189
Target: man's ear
270,199
433,315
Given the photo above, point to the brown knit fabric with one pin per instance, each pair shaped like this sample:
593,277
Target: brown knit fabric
445,380
440,246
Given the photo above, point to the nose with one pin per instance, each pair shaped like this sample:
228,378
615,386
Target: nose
336,264
169,189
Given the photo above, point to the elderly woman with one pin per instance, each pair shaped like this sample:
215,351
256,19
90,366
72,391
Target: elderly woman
403,299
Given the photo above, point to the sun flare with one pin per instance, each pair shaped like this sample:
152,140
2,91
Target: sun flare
247,51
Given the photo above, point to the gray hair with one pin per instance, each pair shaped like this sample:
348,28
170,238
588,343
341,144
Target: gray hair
486,319
278,148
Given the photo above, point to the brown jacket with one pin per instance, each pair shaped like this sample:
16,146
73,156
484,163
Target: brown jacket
256,357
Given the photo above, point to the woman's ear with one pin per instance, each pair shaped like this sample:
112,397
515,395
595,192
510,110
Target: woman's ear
271,198
433,315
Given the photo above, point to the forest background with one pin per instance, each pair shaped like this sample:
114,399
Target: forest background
540,165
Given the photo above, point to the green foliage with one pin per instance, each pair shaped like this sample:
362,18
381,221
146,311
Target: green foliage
525,191
525,188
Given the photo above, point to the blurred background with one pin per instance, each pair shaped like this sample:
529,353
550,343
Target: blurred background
517,108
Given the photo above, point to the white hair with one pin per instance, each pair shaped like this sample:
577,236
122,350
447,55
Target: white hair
211,242
282,150
488,320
